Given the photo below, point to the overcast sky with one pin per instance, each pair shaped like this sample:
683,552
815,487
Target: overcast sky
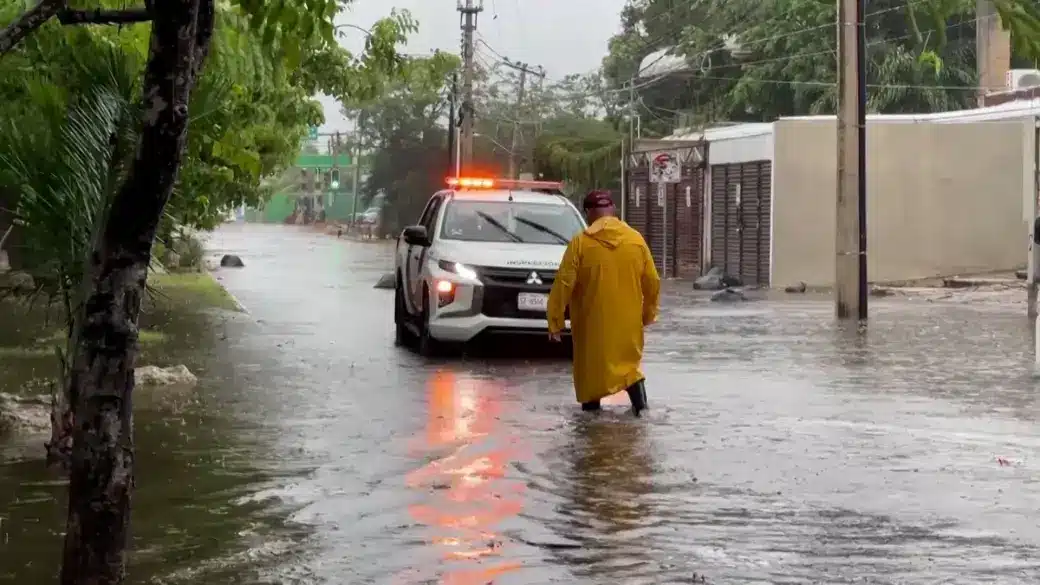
563,36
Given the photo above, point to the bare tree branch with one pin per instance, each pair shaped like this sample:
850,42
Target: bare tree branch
99,16
28,22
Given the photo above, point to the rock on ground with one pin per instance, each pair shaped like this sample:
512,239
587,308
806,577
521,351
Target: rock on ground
796,288
387,281
231,261
155,376
17,282
24,414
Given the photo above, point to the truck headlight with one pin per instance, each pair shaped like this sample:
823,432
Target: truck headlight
456,268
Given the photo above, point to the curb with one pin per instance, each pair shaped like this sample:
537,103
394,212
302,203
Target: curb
241,307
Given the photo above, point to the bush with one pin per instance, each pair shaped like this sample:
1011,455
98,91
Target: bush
191,252
182,252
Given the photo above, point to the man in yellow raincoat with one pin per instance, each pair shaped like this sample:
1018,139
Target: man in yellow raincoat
609,281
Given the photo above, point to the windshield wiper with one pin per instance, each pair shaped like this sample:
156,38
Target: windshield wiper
499,225
543,229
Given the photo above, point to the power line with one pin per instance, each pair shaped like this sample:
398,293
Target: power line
662,76
778,37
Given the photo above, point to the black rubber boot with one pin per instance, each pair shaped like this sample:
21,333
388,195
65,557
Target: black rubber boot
591,406
637,394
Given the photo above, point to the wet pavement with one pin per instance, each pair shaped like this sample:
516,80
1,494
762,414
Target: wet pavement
779,448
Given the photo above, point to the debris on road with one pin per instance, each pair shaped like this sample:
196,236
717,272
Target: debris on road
231,261
19,414
155,376
729,295
796,288
387,281
716,279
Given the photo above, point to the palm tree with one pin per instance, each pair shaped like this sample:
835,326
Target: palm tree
65,159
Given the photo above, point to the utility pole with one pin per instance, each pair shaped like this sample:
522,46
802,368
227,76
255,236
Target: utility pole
850,286
524,69
357,164
336,149
1032,209
452,122
993,49
468,11
516,124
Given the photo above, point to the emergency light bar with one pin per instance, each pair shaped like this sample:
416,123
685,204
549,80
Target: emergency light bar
477,183
470,183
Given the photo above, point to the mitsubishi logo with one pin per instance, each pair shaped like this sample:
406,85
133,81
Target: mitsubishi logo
534,278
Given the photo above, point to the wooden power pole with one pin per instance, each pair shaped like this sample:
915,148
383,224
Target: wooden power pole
468,11
850,286
993,50
452,121
524,70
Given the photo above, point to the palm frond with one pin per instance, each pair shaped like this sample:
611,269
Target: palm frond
65,160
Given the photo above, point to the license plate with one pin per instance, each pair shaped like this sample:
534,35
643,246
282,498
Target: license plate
532,302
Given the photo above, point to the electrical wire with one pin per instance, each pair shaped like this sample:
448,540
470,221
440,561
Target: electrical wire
744,44
658,78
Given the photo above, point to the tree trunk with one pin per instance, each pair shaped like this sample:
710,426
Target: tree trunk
102,365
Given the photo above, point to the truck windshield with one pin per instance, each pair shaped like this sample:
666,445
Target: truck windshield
505,221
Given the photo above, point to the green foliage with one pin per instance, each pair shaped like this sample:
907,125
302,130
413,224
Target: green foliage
756,61
60,158
69,118
403,132
267,61
565,129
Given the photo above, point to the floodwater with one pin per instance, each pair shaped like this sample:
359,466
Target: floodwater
779,448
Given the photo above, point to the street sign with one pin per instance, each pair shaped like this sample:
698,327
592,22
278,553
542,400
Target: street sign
665,168
312,132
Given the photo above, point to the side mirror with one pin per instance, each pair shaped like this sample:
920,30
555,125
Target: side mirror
415,235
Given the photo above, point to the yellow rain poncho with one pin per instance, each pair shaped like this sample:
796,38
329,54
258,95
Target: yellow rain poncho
609,281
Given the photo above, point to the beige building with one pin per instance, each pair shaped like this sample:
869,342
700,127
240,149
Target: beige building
947,194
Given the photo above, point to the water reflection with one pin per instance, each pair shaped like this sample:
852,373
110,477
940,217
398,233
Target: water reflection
467,493
607,475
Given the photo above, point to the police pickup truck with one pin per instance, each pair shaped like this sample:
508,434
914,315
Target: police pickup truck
481,260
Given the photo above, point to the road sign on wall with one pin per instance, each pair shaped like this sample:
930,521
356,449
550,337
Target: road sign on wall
665,168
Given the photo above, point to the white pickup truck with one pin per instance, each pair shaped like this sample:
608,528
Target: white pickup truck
481,261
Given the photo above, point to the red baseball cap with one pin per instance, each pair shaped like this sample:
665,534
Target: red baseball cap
597,200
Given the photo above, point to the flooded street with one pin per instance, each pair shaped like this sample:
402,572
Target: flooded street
778,449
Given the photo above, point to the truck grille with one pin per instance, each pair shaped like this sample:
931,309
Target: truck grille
515,277
501,286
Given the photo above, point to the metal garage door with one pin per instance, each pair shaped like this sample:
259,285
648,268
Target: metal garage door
741,197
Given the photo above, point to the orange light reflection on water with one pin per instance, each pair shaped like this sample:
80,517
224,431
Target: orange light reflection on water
468,494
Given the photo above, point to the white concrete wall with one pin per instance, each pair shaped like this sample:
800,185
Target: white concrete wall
943,199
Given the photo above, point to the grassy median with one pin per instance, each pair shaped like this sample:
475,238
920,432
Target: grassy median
32,330
195,290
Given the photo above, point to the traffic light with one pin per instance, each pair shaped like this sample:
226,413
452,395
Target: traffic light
335,178
305,180
326,179
316,180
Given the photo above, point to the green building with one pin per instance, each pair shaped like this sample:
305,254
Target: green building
323,180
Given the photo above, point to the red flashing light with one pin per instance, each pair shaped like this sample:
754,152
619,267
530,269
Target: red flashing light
517,184
470,183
